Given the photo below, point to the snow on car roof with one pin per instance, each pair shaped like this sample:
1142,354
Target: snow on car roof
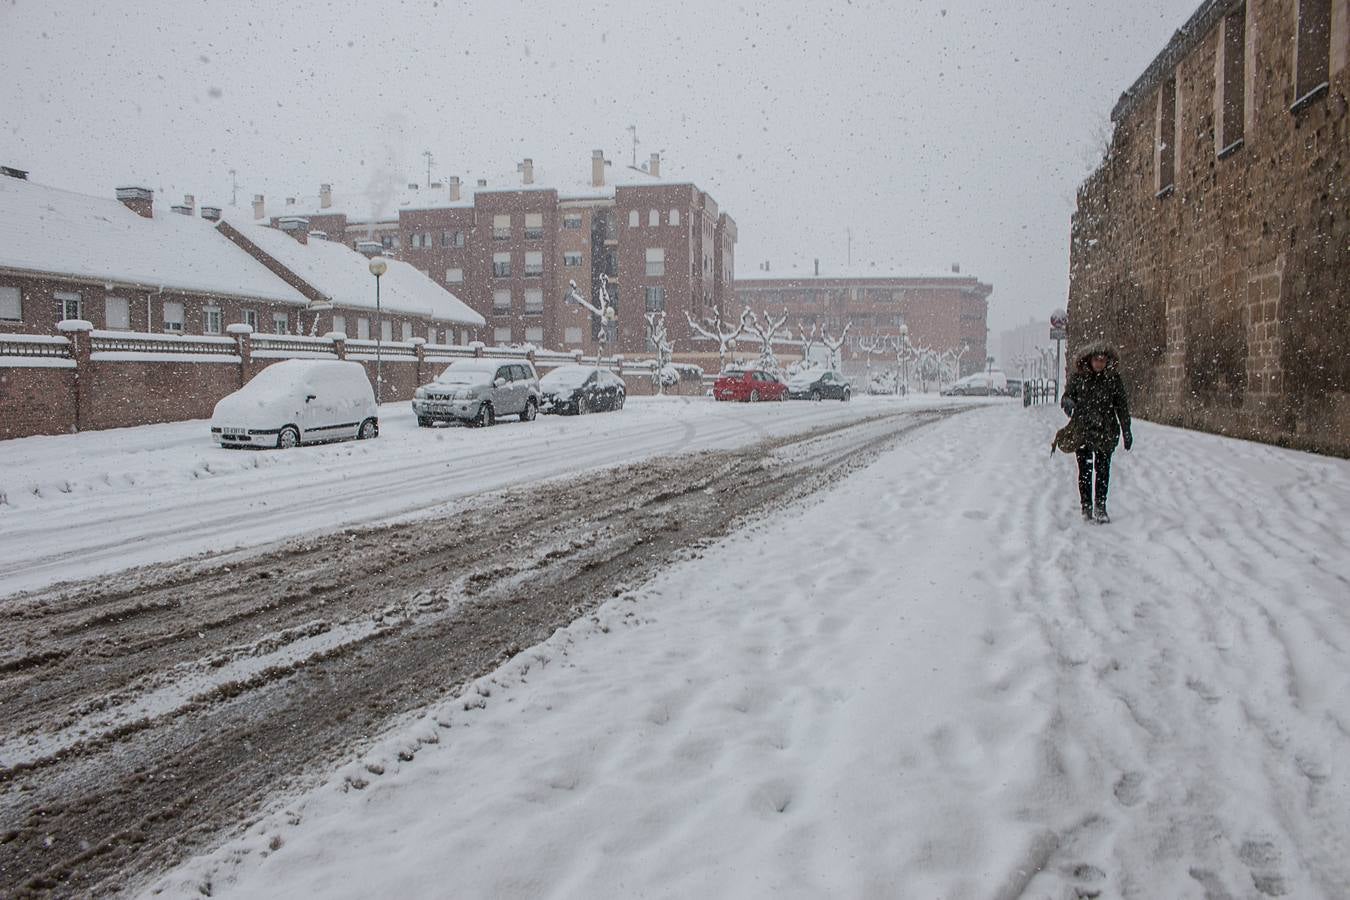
50,230
342,274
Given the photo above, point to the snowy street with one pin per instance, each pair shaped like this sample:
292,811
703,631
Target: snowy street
929,679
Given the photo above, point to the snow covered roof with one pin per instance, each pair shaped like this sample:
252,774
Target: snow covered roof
879,272
385,202
53,231
343,275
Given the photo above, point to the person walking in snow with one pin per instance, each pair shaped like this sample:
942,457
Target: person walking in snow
1099,409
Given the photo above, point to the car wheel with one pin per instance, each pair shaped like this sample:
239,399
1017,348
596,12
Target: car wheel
754,396
583,406
288,438
846,395
486,416
531,410
815,395
618,401
369,429
423,422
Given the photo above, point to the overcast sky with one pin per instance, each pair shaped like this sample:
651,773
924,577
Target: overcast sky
936,131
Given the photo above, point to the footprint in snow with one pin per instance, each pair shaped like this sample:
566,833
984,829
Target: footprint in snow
975,514
1264,859
1129,789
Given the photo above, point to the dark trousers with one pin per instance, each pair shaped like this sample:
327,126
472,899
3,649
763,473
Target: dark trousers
1093,466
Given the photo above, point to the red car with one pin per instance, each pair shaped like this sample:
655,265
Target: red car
750,386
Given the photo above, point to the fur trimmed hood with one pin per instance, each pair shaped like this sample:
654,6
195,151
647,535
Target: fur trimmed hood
1083,360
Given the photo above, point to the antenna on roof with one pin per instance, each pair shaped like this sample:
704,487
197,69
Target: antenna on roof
632,129
427,154
234,188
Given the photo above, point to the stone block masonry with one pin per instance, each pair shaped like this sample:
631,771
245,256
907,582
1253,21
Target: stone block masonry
1213,244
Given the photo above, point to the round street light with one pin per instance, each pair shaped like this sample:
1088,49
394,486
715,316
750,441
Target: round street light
377,268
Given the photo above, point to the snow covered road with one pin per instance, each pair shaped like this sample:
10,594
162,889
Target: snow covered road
933,680
75,506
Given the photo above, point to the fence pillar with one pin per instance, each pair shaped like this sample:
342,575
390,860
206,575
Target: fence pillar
339,343
81,346
420,349
477,347
243,338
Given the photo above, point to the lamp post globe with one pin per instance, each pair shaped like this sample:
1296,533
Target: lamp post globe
377,268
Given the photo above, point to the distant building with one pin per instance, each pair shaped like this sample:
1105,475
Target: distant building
1018,346
510,246
1213,243
942,312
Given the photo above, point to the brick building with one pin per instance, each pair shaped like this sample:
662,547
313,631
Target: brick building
122,266
942,312
509,246
1213,244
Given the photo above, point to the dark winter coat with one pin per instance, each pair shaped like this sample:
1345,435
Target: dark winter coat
1096,402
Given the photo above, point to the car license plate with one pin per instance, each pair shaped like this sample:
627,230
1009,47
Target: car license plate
233,429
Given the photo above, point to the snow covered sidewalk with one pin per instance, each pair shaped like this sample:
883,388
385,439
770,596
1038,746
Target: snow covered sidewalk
931,681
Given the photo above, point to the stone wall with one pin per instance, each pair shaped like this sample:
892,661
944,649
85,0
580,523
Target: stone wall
1228,291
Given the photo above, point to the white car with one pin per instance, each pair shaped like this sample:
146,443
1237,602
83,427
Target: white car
479,391
298,401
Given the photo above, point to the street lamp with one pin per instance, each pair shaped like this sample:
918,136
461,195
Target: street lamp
904,340
377,268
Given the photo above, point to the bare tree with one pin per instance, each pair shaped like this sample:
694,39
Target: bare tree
721,332
656,332
808,342
834,346
766,332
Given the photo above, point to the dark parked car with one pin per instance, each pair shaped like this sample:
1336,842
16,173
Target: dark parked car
819,384
581,389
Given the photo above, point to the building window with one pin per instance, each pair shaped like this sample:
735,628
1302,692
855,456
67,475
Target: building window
1167,136
173,316
572,259
572,335
534,226
1312,55
502,334
632,218
416,241
210,320
407,331
501,228
281,323
534,334
454,276
501,301
656,299
501,265
386,330
534,264
340,324
457,239
431,334
251,319
11,304
362,328
1232,85
656,261
674,217
71,307
653,218
387,241
534,301
571,220
116,313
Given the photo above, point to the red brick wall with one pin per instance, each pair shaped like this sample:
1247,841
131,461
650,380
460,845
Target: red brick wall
36,401
122,394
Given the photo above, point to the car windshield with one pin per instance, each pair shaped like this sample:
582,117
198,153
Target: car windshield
276,379
458,373
565,377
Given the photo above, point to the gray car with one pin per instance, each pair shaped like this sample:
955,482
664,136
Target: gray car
478,391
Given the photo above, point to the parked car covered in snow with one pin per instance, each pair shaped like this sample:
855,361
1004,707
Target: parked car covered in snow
298,401
580,390
979,384
819,384
479,391
748,386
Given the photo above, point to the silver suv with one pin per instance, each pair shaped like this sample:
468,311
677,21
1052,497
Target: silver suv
478,391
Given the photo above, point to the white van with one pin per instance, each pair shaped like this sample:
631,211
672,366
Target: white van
298,401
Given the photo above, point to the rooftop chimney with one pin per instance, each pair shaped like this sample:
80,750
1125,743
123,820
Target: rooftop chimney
181,209
526,170
369,248
482,182
817,266
325,196
598,163
259,207
296,226
411,186
211,213
956,268
290,201
654,167
189,201
319,235
454,187
11,172
139,200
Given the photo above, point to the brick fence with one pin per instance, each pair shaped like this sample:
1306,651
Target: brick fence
88,379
